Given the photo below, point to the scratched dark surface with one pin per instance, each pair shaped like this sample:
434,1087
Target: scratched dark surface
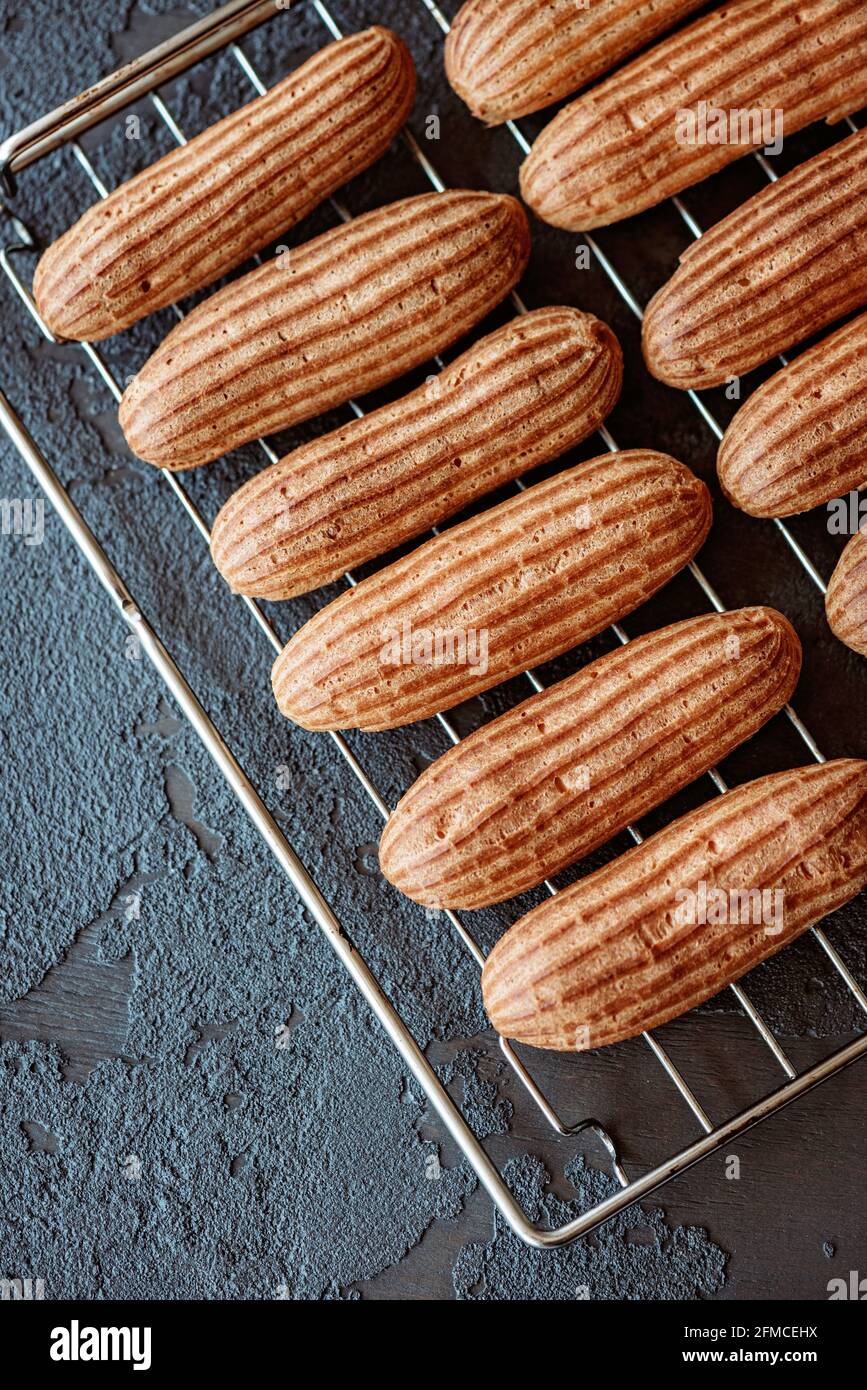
194,1100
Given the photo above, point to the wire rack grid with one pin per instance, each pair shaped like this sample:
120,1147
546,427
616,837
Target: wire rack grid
220,29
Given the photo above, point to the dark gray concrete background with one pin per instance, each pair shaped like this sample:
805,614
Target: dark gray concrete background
195,1102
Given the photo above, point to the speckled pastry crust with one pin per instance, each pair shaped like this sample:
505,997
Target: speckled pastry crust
331,319
506,58
516,399
631,946
614,151
504,591
551,780
801,439
778,269
846,600
204,208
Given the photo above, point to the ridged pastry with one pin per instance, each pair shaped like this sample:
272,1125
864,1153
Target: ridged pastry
656,932
846,599
506,590
205,207
337,316
552,779
778,269
616,150
801,438
506,58
516,399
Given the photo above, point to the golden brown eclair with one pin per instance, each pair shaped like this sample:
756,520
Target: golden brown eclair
673,921
504,591
625,145
516,399
789,261
204,208
506,58
846,599
331,319
554,778
801,438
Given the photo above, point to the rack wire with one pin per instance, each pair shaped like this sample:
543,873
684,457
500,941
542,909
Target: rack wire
59,129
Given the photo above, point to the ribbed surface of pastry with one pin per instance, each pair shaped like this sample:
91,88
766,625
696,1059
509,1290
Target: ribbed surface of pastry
801,439
514,400
205,207
615,150
846,599
506,58
495,595
787,262
644,939
331,319
546,783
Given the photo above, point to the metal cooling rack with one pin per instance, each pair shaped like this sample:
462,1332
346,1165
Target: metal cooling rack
59,129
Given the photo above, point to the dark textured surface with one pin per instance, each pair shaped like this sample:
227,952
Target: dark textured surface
229,1120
